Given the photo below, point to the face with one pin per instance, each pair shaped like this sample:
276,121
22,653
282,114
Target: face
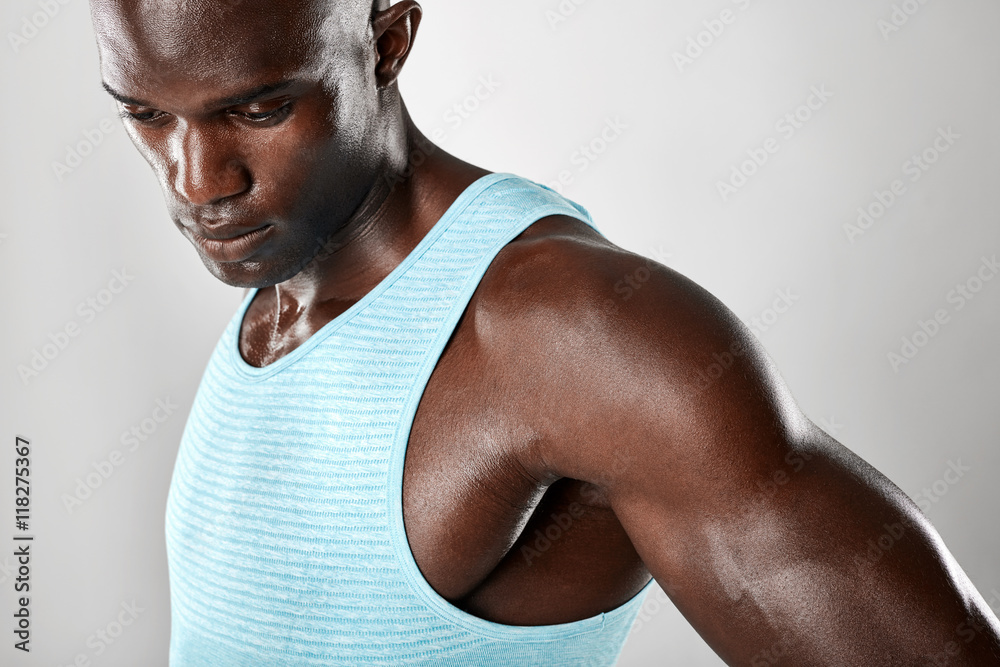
260,118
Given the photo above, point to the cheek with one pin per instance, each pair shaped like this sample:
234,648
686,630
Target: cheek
352,115
154,155
286,163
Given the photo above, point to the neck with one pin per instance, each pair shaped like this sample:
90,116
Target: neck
392,217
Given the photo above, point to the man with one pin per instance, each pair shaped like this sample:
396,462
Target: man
434,432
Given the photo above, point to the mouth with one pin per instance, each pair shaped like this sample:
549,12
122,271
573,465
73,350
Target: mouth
235,248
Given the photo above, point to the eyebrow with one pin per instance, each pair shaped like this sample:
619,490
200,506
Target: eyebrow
238,99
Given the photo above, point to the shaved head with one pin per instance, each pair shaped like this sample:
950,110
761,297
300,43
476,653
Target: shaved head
214,40
274,116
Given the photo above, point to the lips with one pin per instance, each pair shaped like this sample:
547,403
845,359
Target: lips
235,248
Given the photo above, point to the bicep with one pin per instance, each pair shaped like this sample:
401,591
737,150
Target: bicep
769,534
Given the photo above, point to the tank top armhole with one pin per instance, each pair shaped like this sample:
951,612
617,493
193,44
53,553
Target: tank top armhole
546,204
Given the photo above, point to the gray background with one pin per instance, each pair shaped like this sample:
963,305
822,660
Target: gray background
652,190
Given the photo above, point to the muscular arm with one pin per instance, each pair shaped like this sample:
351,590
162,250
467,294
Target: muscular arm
758,524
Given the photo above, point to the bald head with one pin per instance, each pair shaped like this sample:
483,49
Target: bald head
257,113
216,37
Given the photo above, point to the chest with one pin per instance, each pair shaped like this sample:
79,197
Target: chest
487,531
466,492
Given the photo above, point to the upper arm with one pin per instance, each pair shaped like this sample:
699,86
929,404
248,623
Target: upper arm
758,524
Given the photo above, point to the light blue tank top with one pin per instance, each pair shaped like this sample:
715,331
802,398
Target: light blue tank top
284,520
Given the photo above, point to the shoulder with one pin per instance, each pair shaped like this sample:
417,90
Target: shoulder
561,279
560,264
625,356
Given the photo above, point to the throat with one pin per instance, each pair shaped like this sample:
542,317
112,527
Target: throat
275,326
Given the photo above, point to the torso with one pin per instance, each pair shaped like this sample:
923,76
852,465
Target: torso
489,529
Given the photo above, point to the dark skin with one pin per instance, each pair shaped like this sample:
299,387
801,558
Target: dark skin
555,397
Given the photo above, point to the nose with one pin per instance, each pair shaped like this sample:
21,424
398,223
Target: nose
206,169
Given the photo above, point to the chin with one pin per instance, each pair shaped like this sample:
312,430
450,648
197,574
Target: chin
279,260
256,272
245,274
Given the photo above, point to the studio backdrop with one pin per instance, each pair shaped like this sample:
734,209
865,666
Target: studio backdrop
828,170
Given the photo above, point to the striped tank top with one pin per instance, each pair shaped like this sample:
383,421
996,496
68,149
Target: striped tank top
284,520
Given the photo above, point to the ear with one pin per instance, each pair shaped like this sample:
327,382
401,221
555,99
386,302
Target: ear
394,30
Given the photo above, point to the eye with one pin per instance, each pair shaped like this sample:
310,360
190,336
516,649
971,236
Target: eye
146,116
263,117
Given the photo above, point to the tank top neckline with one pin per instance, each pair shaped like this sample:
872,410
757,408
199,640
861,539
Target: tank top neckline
251,372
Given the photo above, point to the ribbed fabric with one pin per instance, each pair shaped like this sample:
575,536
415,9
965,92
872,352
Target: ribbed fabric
284,520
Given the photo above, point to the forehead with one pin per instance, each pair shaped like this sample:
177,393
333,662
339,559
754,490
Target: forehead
149,44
